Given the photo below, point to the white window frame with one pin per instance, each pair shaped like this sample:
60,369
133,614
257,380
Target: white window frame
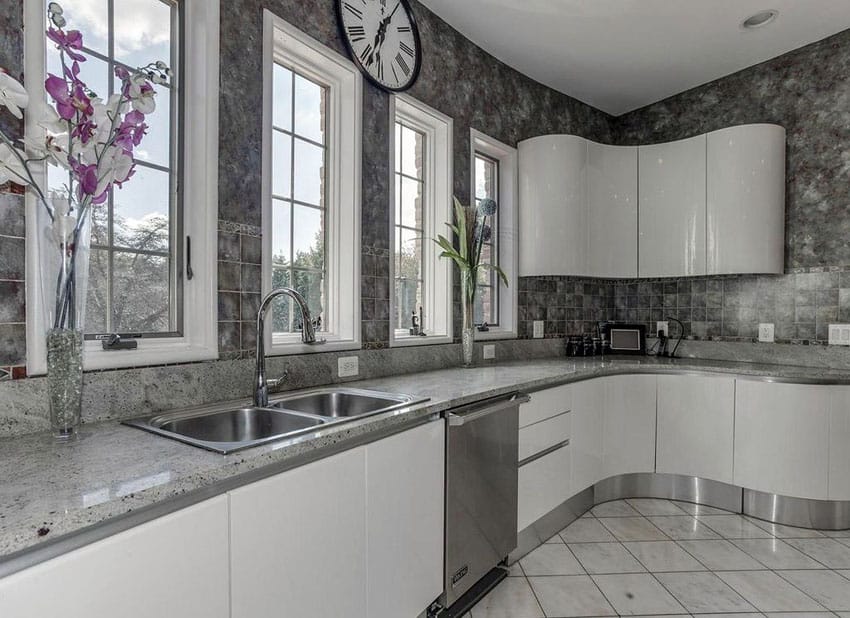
508,225
288,45
437,207
199,185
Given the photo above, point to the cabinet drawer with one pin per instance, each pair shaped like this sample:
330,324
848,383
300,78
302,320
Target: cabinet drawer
538,437
546,404
543,485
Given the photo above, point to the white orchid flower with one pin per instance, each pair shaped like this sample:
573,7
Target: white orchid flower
115,166
142,95
51,149
50,120
13,95
64,223
11,167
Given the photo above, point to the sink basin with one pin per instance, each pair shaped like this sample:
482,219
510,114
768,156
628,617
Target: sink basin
230,429
343,403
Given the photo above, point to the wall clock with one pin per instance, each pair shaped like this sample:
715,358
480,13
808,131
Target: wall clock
383,40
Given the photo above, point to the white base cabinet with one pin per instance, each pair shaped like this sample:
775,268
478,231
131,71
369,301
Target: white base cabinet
839,443
173,566
696,426
587,427
628,432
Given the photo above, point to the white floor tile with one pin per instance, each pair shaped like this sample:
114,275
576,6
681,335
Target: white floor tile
515,570
768,592
606,558
699,509
660,556
828,552
637,594
568,596
653,506
837,534
720,555
733,527
682,528
551,560
512,598
617,508
776,554
786,532
586,531
797,614
633,529
826,587
703,593
554,539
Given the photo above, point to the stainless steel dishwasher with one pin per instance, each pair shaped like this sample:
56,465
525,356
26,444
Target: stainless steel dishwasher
481,498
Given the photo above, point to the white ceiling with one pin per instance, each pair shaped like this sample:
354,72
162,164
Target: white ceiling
619,55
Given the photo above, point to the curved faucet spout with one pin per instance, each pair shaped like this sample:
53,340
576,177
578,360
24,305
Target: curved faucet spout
308,336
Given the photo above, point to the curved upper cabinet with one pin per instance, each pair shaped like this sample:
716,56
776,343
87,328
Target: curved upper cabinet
746,200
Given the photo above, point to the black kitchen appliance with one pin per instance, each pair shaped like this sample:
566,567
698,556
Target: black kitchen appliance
623,338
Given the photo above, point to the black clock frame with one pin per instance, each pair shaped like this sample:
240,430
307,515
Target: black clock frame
414,28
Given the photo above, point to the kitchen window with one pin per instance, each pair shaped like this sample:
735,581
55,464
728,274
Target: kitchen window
494,176
141,236
421,187
311,185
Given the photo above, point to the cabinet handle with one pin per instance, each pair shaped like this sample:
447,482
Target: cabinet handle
473,413
543,453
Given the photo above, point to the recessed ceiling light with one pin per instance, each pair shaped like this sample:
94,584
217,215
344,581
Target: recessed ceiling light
762,18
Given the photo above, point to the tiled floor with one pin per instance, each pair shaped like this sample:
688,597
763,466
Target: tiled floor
658,557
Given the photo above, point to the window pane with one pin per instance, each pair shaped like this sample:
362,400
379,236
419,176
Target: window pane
96,300
91,18
282,103
281,309
311,285
141,291
484,305
411,204
156,147
411,152
308,237
397,153
141,211
408,298
282,164
309,110
142,32
281,232
93,72
309,173
409,255
99,224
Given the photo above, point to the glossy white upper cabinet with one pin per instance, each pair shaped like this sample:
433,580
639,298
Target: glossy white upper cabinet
553,205
746,199
672,180
612,217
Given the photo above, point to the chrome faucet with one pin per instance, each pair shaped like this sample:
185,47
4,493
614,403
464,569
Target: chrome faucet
308,336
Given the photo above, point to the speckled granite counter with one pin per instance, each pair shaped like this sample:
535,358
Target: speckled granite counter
50,490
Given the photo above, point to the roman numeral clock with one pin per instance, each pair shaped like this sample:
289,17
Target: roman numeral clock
383,40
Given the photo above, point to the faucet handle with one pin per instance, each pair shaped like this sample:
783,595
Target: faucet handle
276,382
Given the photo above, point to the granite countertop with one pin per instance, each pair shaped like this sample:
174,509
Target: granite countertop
52,490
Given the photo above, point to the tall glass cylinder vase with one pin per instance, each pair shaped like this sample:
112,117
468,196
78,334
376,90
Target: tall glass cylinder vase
63,248
468,329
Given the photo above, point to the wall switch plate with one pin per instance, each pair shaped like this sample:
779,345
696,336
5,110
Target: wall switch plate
662,325
766,333
489,352
538,329
839,334
348,366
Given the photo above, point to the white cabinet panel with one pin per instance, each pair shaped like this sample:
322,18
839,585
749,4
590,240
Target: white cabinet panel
782,438
543,484
545,404
696,426
173,566
746,199
404,488
552,203
545,434
612,195
839,443
672,208
298,541
628,435
587,426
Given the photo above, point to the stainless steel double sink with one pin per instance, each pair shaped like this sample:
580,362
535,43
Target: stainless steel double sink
225,428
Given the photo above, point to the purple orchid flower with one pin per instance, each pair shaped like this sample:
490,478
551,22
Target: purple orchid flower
69,42
58,89
131,131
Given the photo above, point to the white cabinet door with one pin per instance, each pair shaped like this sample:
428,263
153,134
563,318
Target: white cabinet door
612,199
696,426
782,438
543,485
404,506
746,199
176,565
552,205
298,541
546,404
672,208
628,435
587,426
839,443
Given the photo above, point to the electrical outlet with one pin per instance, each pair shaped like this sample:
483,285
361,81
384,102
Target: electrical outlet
662,326
348,366
538,329
766,333
839,334
489,352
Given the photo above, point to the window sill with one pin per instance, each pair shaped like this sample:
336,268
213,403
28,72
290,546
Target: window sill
408,341
494,333
289,349
148,353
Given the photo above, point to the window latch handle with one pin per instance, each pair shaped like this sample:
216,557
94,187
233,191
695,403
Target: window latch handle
189,273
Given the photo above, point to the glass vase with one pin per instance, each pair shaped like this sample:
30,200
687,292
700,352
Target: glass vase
65,380
467,340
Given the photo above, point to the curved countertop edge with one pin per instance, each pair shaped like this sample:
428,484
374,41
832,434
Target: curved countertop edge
160,476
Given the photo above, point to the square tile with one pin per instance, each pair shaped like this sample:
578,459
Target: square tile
617,508
605,558
703,593
733,527
551,560
699,509
633,529
660,556
828,552
776,554
826,587
637,594
787,532
515,570
575,595
586,530
683,527
512,598
652,506
768,592
720,555
837,534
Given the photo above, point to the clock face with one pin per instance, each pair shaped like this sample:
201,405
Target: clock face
383,39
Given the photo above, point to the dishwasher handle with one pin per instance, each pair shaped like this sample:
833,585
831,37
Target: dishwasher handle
476,412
